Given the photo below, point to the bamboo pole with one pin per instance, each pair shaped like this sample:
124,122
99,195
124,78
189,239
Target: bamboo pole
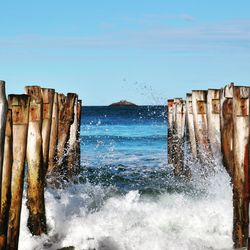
226,121
48,98
35,189
170,131
6,181
53,136
190,126
213,120
241,165
3,115
19,104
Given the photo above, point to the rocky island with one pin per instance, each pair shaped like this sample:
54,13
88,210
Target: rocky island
123,103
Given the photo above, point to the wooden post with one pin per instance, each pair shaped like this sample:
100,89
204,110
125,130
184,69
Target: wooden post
48,98
35,190
241,165
66,118
170,131
235,150
213,120
19,104
6,182
72,145
174,134
199,101
53,136
3,115
226,121
179,112
190,126
79,116
62,127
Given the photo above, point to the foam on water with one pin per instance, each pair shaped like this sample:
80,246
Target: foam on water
128,198
89,216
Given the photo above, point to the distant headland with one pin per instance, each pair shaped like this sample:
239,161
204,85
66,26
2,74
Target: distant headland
123,103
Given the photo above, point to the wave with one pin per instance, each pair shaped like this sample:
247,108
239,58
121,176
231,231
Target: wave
89,216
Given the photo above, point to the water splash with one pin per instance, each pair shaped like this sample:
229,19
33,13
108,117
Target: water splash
128,198
95,217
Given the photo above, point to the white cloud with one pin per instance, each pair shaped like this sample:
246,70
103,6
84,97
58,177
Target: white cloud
195,37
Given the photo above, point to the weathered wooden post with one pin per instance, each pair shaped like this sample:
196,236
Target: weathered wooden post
190,126
48,98
179,111
241,165
66,118
53,135
235,131
19,104
79,116
174,135
72,144
170,131
34,155
199,101
226,121
213,122
62,127
3,114
6,182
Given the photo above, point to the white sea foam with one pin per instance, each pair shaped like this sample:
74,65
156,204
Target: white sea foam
92,217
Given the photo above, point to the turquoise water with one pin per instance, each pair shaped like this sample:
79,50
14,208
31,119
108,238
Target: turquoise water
125,147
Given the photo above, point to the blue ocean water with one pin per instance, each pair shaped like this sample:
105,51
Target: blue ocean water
125,146
127,197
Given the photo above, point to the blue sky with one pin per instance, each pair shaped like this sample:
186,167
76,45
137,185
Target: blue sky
145,51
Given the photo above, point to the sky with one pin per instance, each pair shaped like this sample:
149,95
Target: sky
144,51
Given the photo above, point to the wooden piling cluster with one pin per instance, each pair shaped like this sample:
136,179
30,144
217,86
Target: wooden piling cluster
218,130
41,130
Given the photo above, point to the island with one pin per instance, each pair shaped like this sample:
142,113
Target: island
123,103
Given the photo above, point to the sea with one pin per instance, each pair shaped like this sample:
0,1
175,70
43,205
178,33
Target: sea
126,196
